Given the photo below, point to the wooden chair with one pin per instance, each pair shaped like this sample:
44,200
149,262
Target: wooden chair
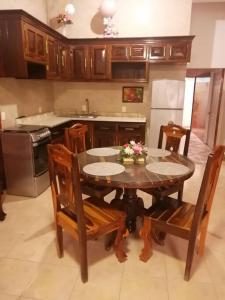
75,141
173,134
184,219
80,218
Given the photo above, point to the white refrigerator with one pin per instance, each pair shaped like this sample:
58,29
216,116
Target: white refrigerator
166,105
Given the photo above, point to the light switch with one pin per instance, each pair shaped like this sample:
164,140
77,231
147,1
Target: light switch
2,115
124,108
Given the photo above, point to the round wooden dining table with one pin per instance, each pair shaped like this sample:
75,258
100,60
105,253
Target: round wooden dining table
133,176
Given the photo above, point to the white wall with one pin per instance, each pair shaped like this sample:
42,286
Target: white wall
134,18
37,8
207,24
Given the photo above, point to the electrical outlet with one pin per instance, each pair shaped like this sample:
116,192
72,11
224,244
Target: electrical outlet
124,108
3,116
84,108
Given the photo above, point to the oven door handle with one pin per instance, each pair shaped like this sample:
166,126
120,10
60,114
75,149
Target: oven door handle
41,142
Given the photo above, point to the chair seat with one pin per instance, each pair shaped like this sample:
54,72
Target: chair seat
95,190
173,215
98,219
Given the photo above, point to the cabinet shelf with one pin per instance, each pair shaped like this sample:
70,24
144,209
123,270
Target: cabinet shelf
131,71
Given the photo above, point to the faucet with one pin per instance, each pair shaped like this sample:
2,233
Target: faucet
87,106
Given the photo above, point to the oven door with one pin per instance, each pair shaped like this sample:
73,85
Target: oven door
40,155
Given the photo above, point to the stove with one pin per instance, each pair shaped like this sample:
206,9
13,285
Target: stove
25,150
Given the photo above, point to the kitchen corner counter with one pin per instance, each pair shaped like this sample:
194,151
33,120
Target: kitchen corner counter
51,120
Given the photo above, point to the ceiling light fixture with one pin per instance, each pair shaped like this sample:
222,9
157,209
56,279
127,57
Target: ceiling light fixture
107,9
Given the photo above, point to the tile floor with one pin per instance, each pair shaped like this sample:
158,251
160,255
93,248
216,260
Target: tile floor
30,268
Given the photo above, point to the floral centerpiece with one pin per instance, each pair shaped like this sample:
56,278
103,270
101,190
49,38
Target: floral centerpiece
133,152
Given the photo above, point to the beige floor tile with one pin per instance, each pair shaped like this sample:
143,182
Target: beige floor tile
183,290
220,290
8,240
135,287
32,247
52,283
8,297
103,283
215,263
15,275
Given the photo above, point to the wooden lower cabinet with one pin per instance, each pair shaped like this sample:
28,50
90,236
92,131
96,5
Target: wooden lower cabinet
131,132
117,133
105,134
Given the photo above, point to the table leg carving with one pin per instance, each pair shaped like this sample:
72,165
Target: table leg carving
2,214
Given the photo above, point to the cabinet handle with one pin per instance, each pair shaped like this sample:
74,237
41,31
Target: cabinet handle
57,59
46,46
85,63
91,64
63,63
47,68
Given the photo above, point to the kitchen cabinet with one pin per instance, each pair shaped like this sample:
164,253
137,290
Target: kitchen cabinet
31,49
34,44
128,52
53,58
117,133
90,62
130,132
171,51
105,134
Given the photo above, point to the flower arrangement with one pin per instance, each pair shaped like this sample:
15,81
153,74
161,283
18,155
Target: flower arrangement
64,19
132,151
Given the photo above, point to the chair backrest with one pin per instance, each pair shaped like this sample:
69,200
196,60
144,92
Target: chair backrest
75,138
208,186
65,180
174,134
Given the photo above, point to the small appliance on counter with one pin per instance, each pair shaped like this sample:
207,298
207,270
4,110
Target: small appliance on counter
25,158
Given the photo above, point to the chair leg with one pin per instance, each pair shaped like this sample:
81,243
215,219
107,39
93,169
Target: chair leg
59,238
119,242
189,260
83,260
146,252
110,240
203,232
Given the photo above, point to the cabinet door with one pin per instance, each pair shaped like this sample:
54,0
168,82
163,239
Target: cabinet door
2,69
179,52
53,58
119,52
104,134
99,62
34,44
138,52
157,52
131,132
81,63
64,61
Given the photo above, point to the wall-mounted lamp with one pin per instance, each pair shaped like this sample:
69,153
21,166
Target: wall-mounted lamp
65,18
108,8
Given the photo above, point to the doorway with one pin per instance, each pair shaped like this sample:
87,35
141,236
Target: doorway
203,94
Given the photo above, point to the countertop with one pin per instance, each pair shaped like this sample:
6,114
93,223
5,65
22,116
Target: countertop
51,120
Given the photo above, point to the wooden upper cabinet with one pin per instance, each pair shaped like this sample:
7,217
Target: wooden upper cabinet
80,63
158,52
128,52
53,58
179,51
64,61
99,62
170,52
35,44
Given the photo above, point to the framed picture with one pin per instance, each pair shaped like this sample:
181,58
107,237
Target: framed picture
133,94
